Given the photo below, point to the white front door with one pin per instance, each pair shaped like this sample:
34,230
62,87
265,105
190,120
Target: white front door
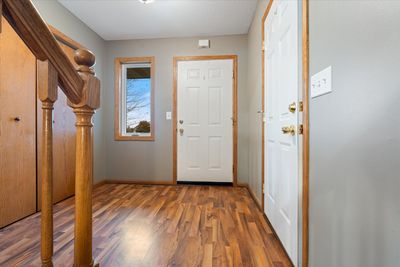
281,149
204,121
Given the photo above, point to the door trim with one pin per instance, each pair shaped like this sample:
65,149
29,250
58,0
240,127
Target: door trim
306,130
304,148
176,59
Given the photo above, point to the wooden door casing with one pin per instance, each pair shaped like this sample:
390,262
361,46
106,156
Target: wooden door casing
18,127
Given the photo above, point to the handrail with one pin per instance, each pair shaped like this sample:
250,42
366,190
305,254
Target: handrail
27,22
82,89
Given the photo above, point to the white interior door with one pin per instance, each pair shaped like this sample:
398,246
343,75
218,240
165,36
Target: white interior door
281,149
204,121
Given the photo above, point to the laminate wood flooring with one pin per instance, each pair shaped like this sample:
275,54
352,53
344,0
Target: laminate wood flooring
136,225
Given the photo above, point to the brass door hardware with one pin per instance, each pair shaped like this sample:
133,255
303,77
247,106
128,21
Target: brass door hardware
301,129
292,107
289,130
262,113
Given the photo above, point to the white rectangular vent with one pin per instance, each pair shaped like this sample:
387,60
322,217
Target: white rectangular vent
204,44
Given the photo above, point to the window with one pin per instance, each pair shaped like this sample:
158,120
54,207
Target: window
134,94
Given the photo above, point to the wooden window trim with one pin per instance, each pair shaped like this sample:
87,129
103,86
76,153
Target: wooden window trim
117,93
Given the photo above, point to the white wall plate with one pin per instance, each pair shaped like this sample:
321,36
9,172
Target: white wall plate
321,83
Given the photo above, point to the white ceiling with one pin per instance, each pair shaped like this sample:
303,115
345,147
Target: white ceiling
130,19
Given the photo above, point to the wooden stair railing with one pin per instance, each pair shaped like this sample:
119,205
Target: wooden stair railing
82,89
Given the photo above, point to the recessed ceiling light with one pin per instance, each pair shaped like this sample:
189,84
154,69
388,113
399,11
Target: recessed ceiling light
146,1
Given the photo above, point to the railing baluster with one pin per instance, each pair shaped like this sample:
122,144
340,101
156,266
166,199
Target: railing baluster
47,91
84,158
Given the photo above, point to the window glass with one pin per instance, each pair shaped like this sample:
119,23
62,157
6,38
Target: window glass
138,100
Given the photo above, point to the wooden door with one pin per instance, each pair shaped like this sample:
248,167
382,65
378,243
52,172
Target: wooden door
204,108
17,127
281,127
63,144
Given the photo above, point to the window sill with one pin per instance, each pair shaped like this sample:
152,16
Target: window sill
134,138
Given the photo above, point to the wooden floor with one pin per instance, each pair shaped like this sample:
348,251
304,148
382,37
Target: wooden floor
156,226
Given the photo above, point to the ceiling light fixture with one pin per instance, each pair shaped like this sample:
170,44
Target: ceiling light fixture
146,1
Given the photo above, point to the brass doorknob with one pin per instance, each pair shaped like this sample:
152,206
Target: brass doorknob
289,130
292,107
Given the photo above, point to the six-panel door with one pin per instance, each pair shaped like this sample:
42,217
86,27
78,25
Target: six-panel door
281,148
204,121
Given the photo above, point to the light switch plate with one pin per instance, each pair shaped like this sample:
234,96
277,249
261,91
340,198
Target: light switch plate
168,115
321,82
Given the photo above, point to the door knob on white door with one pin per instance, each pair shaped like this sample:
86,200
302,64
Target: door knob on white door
289,130
181,131
292,107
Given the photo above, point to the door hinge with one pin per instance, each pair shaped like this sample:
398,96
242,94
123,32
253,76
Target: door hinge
263,46
300,106
263,188
233,168
301,129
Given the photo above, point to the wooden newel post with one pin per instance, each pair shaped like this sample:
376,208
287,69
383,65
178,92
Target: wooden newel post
47,92
84,158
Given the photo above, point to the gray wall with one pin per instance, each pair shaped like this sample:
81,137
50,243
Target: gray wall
138,160
355,135
152,161
254,98
59,17
355,131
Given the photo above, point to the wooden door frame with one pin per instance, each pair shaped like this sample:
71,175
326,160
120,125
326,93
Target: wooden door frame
305,122
176,59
